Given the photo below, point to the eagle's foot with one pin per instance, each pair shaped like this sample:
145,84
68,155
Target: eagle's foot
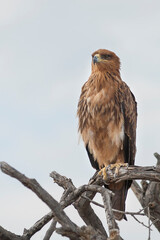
103,172
117,166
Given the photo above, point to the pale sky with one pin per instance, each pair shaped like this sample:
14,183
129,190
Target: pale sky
45,58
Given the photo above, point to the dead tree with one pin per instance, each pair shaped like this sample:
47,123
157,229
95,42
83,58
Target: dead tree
82,199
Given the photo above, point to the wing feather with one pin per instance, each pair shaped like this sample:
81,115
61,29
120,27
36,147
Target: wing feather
129,109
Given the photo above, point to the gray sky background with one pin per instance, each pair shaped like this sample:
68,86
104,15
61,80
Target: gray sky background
45,57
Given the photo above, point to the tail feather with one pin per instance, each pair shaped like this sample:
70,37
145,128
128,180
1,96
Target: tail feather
118,203
118,199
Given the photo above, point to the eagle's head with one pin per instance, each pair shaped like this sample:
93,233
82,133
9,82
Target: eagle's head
105,60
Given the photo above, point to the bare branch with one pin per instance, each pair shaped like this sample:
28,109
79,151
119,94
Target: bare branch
82,205
139,221
148,196
50,231
114,210
32,184
68,229
106,196
38,225
158,158
6,235
113,229
149,226
112,225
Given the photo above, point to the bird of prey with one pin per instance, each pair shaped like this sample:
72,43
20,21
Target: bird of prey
107,113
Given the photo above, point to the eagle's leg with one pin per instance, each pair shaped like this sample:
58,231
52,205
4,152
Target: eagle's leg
117,166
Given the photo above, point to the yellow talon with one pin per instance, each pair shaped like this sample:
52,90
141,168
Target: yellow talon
117,166
103,172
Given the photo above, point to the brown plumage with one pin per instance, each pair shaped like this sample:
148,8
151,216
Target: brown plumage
107,115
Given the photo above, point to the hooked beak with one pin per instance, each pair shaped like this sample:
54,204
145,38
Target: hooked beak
96,58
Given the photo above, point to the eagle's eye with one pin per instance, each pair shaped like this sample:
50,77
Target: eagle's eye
106,56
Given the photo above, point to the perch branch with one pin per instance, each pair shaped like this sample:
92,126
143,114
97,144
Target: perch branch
134,172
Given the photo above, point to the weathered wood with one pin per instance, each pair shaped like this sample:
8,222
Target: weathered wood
81,198
148,195
6,235
32,184
38,225
150,173
82,205
68,228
